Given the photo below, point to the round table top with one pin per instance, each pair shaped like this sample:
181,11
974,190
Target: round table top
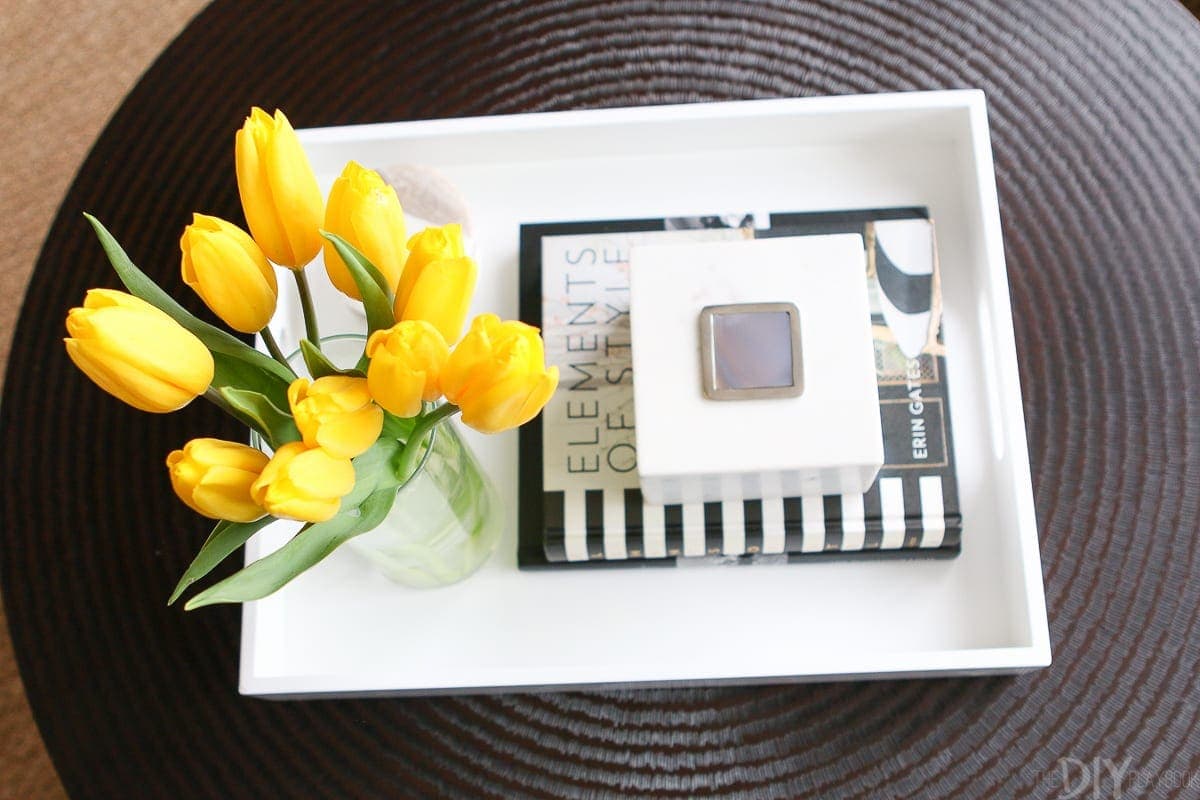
1095,116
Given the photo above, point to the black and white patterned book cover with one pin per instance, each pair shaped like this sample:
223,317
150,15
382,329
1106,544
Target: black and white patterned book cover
579,503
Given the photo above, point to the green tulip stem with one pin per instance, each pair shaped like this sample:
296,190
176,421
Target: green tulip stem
273,348
412,448
310,312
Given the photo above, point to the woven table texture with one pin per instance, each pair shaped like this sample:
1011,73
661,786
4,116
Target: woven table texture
1095,115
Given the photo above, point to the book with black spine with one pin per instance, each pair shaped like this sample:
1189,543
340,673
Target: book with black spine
579,502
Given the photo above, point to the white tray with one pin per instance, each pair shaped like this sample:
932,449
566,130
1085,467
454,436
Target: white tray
343,629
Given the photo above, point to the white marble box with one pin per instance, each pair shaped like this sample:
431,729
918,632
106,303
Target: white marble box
820,435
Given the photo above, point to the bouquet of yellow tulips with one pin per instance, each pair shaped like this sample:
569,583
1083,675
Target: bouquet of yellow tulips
341,441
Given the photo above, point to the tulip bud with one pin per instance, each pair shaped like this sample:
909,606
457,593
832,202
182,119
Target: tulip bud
305,484
229,272
279,192
442,296
364,211
336,412
438,281
497,374
213,477
137,353
406,361
431,244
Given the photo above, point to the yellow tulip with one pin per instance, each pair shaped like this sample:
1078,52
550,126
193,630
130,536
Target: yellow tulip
431,244
497,375
406,362
303,483
442,296
213,477
438,281
336,412
137,353
364,211
229,272
279,192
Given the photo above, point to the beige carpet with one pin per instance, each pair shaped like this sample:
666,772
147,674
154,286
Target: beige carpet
65,66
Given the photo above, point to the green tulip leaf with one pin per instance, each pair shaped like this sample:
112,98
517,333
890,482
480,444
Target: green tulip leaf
236,363
224,539
249,420
319,365
397,428
366,263
306,549
277,426
372,473
231,372
376,295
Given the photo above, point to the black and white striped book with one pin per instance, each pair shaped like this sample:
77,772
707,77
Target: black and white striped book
579,499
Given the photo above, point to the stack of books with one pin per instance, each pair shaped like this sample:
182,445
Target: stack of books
579,502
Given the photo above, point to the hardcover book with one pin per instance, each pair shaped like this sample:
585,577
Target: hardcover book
579,502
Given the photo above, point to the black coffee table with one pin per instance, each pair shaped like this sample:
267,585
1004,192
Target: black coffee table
1095,114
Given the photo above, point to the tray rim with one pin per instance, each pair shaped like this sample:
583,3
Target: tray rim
919,663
